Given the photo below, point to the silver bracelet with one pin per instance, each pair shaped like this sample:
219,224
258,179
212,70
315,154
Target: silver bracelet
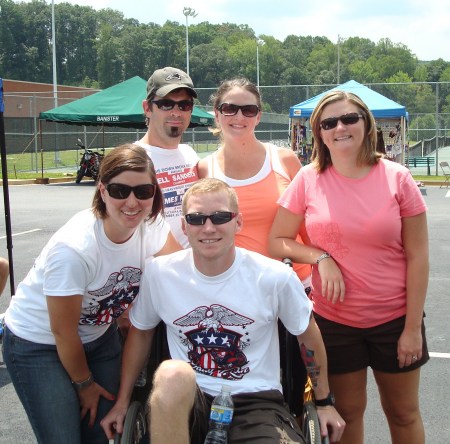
83,384
322,257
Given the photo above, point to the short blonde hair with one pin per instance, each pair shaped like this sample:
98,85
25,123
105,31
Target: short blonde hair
211,185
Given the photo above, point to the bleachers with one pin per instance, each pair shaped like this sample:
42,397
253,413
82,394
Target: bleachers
417,162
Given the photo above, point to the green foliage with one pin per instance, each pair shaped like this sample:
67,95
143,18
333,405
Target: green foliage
101,48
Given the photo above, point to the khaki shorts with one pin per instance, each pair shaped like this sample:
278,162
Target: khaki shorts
260,417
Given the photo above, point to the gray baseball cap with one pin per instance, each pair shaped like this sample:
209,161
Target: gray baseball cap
165,80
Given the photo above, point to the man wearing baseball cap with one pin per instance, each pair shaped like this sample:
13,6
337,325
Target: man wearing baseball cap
168,108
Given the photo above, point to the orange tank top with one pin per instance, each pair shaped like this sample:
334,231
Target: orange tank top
258,197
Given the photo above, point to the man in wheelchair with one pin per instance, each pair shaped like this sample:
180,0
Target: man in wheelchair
220,305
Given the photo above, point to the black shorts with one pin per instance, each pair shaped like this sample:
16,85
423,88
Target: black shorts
350,349
260,417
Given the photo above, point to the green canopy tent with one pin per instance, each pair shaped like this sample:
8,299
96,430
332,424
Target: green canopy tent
119,105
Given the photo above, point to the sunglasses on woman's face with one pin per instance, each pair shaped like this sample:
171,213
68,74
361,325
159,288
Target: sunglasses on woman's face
122,191
346,119
168,104
230,109
217,218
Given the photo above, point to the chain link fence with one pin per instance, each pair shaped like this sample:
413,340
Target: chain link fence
33,145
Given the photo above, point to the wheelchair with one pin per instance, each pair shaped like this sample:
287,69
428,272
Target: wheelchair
135,427
298,392
301,405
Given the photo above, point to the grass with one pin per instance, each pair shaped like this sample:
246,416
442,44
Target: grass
65,163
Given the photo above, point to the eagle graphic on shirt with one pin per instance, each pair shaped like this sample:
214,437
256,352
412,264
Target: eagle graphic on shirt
111,300
214,349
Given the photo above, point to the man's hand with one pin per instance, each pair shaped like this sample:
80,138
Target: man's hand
112,423
330,421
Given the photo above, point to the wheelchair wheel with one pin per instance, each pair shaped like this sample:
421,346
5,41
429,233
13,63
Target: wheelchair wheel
311,426
134,426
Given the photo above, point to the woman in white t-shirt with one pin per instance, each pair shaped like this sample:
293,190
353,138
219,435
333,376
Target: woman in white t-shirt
61,345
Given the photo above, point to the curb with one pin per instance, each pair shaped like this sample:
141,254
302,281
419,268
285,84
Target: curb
40,180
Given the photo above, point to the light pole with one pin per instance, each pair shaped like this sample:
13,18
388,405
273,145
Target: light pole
259,42
55,83
188,12
338,59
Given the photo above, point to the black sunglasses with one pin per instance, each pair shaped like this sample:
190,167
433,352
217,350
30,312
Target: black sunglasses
217,218
230,109
122,191
168,104
346,119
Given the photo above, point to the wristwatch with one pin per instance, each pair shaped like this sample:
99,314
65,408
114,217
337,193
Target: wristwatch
83,384
329,400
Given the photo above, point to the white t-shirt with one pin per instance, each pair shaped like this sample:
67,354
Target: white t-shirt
176,171
79,259
225,326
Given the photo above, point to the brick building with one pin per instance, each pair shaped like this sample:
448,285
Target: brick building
28,99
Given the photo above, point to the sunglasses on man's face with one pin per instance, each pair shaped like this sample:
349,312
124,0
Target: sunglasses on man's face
230,109
168,104
217,218
346,119
122,191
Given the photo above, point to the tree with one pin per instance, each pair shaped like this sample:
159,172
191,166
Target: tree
435,69
76,27
109,60
208,64
388,59
25,40
136,50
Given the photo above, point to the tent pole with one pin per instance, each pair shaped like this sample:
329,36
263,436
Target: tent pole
9,244
42,151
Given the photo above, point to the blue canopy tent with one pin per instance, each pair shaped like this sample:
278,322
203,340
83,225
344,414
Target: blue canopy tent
390,116
381,106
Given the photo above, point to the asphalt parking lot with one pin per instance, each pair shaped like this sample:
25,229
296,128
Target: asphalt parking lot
37,211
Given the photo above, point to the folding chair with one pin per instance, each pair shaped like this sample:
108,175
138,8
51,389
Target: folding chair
446,171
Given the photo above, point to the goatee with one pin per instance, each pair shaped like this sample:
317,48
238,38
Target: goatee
175,131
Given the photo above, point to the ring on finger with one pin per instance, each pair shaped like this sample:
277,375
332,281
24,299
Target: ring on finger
414,358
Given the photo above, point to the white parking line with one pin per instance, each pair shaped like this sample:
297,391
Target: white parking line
23,232
448,194
440,355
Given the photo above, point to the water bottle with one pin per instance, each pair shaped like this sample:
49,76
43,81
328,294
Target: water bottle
220,417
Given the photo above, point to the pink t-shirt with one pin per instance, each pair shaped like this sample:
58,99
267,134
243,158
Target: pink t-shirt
359,222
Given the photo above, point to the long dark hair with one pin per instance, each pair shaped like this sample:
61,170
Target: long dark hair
239,82
127,157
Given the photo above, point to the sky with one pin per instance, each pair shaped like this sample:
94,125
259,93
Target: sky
423,26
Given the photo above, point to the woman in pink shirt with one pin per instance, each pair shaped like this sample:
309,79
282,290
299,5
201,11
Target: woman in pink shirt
368,243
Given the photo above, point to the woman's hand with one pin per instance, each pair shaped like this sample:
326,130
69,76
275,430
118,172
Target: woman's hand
333,286
409,347
89,398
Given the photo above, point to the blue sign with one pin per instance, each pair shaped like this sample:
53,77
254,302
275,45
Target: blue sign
2,105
